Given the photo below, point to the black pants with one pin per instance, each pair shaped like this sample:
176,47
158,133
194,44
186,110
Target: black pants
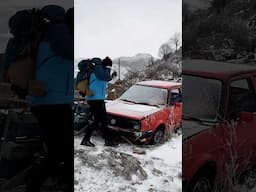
56,122
99,113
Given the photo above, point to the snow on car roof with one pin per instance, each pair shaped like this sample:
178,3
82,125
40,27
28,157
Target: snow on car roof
216,69
159,84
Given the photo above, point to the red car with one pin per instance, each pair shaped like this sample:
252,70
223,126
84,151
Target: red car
148,112
219,122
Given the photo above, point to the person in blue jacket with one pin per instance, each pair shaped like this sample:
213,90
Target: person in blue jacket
55,67
98,81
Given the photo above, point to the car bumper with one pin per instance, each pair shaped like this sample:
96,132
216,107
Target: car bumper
137,136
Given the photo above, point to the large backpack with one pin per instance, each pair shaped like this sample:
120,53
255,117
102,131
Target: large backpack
82,79
27,27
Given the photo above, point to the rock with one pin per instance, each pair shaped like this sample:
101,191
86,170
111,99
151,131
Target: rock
166,181
127,189
139,151
76,182
157,172
124,165
120,164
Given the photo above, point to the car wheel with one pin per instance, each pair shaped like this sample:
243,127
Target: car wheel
203,182
178,130
202,185
158,137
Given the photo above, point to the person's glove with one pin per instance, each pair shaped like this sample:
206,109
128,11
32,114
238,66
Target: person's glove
114,74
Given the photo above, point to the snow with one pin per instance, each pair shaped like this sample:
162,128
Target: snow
136,111
161,163
122,105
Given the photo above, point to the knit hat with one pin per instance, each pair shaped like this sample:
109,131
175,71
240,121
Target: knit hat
107,61
54,13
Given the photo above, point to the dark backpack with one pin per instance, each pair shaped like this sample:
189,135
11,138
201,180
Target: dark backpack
27,28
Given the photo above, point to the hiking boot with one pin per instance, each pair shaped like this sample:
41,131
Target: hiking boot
111,143
87,142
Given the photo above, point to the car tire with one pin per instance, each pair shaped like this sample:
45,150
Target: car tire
159,136
202,182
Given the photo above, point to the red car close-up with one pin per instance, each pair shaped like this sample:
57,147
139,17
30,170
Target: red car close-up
219,123
148,112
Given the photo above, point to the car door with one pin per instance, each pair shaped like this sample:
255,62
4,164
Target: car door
241,109
176,103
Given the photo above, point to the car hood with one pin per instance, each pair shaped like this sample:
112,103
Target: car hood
190,128
130,110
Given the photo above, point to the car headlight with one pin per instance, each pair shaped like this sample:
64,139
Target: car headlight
136,126
113,121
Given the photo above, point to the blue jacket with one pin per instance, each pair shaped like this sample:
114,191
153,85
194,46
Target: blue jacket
58,74
99,82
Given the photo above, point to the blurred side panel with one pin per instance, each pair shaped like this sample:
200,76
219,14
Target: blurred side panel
219,95
36,95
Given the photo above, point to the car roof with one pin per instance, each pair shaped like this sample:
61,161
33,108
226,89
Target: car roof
160,84
215,69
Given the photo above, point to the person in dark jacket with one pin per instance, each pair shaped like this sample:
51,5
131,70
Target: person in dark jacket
98,82
55,67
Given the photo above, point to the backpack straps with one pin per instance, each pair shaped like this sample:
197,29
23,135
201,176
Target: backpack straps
44,61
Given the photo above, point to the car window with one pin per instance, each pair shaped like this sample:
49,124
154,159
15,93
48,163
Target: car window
201,97
146,95
175,96
241,84
241,97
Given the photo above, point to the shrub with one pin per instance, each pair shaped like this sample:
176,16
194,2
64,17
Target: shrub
253,4
233,28
239,32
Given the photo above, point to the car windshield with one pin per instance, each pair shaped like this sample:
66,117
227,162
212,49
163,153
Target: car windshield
201,97
146,95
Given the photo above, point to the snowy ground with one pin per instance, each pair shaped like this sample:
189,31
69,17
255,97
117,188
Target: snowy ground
162,165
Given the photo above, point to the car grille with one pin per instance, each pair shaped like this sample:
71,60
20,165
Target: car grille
121,122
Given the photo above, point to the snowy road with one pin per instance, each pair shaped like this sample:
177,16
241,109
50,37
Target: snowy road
162,165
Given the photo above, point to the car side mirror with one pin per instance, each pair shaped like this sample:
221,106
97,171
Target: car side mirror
176,100
178,104
246,116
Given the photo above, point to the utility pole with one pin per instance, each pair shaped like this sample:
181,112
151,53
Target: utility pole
119,68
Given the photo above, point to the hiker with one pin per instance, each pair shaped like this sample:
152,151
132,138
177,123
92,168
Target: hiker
99,78
53,110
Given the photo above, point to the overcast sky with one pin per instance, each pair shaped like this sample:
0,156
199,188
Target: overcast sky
124,27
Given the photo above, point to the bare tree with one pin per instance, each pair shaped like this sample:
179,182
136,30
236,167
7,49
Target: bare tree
164,51
218,5
176,40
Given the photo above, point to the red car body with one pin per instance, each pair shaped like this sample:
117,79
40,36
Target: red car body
147,119
212,149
